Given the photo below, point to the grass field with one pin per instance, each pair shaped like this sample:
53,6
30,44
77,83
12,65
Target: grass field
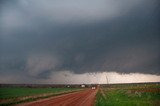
14,92
129,95
14,95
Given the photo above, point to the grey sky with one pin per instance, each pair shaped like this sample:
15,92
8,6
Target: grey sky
39,37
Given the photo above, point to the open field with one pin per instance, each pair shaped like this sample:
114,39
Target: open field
20,92
142,94
14,95
129,95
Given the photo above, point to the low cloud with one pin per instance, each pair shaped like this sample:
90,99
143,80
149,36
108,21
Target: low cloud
68,77
40,64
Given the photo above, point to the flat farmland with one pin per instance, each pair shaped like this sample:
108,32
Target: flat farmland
129,95
20,92
15,95
143,94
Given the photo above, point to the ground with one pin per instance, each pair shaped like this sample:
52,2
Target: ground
81,98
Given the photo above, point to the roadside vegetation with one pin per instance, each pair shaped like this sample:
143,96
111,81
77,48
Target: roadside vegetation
15,95
129,95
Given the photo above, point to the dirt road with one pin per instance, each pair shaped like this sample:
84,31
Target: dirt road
81,98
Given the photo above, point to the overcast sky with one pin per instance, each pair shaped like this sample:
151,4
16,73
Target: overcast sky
42,39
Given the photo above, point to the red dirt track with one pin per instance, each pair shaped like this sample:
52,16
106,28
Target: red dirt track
81,98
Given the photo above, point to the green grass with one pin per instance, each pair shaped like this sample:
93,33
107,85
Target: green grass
127,97
13,92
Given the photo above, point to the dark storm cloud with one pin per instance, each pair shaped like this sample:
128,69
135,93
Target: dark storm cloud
38,37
